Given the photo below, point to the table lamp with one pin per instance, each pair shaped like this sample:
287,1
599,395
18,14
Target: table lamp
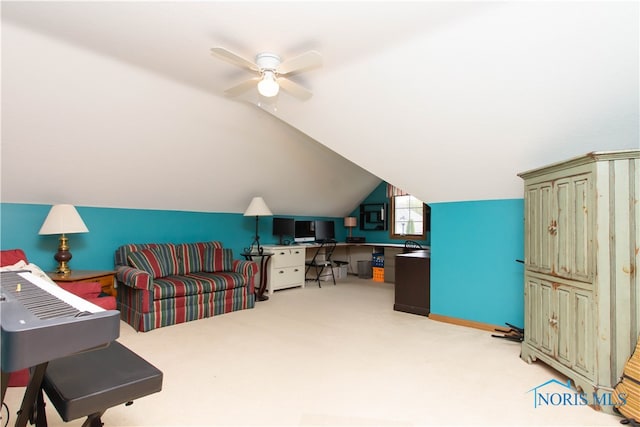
62,220
350,222
258,208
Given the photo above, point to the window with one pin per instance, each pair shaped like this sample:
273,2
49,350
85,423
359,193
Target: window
408,218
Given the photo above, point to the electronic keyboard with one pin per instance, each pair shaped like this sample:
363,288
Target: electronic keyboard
40,321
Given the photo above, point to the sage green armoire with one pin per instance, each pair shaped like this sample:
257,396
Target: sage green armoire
582,293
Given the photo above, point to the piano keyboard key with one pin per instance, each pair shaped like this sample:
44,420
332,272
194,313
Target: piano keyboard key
37,301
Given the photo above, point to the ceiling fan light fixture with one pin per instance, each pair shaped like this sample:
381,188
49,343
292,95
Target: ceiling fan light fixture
271,73
268,85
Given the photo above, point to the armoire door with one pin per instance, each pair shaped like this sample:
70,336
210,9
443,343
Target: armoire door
539,217
574,232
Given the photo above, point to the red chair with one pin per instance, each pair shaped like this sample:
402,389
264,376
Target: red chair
88,291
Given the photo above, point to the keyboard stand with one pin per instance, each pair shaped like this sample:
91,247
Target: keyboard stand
87,384
32,408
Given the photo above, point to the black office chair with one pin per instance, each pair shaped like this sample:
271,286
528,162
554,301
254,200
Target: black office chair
411,245
322,260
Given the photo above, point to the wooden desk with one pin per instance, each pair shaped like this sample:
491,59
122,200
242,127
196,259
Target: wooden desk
288,263
354,252
105,278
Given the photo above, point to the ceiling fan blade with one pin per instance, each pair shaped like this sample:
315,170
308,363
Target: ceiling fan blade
243,87
305,61
233,58
295,89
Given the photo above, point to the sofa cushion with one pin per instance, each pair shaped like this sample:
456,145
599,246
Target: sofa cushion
12,256
165,251
84,290
106,302
149,260
91,292
191,255
217,260
19,378
122,253
169,258
196,283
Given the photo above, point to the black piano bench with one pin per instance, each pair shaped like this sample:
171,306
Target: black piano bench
87,384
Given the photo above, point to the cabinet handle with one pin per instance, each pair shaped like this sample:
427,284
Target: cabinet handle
553,228
296,269
280,272
553,321
281,253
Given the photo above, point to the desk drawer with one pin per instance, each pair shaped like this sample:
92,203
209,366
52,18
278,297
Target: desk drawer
287,258
286,277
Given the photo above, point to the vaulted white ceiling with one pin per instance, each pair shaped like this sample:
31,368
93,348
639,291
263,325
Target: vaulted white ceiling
120,103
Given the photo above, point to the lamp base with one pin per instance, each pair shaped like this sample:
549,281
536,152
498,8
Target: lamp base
356,239
256,242
63,269
63,256
255,247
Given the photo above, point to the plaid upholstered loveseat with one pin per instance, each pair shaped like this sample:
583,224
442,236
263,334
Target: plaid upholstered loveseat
161,284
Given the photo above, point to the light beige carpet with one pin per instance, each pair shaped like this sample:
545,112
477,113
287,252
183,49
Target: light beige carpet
336,355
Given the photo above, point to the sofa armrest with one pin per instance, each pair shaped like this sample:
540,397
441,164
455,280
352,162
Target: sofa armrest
134,278
248,268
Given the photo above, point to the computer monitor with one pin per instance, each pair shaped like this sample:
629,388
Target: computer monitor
325,230
284,227
304,231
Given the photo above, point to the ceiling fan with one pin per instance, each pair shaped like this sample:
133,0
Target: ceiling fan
272,72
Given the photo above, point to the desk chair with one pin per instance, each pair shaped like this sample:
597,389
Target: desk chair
411,245
322,260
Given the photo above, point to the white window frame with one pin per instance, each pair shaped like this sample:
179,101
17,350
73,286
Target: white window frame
407,235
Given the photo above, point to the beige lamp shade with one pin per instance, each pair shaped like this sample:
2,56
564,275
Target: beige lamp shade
258,207
63,219
350,221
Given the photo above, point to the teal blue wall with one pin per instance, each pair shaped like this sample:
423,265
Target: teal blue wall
474,273
474,246
110,228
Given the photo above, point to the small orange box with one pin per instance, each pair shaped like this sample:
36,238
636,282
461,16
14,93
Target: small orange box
378,274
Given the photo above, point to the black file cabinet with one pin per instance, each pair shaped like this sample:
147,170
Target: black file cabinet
412,283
